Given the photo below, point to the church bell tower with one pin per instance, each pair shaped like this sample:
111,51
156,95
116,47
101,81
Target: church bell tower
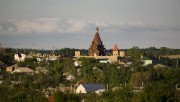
97,47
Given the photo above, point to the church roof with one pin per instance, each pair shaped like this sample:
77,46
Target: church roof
97,47
97,37
115,48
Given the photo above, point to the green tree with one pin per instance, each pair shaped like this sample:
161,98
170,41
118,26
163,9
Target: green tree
135,53
139,78
172,76
92,97
4,92
68,66
7,59
119,95
31,63
97,75
57,73
158,92
66,97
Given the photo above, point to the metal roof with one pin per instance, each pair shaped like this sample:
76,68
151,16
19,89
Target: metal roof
92,87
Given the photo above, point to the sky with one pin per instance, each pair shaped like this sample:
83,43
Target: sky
44,24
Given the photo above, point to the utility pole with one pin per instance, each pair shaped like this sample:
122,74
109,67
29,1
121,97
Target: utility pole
177,63
107,87
33,49
53,51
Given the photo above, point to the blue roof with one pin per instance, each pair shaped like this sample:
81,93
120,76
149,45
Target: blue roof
92,87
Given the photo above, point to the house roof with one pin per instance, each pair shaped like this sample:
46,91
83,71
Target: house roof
51,98
23,70
97,38
92,87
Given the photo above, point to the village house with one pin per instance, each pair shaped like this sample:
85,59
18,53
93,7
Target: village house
11,68
23,70
86,88
78,63
19,57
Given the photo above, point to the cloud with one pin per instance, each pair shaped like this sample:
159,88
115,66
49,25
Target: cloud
46,25
25,26
62,25
42,25
1,28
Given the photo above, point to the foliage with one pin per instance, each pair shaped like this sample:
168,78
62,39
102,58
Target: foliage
66,97
92,97
158,92
57,74
140,78
7,59
120,95
69,52
135,53
159,83
30,62
21,93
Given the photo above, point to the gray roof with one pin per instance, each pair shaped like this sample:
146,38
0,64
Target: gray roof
92,87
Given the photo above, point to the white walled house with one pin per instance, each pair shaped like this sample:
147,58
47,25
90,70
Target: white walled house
85,88
78,63
39,59
146,61
19,57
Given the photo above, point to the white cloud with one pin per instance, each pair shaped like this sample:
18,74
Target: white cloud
38,26
58,25
43,25
77,25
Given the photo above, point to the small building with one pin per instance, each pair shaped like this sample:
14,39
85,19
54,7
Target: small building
104,60
124,61
23,70
39,59
146,61
11,68
19,57
86,88
78,63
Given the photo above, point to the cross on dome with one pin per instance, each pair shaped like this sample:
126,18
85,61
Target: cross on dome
97,29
